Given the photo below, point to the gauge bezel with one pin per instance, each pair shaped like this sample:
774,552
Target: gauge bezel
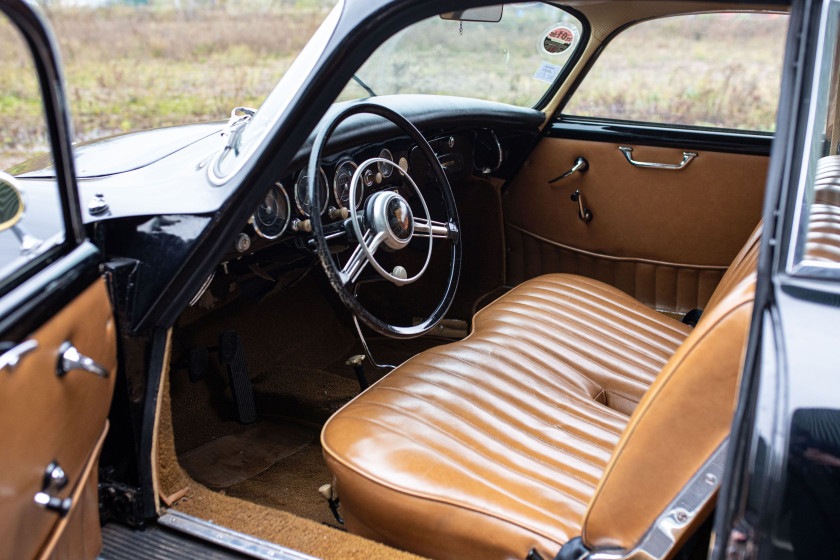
403,170
335,183
326,193
386,170
255,222
368,177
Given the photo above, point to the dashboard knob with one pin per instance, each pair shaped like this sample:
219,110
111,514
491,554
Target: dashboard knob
340,213
243,242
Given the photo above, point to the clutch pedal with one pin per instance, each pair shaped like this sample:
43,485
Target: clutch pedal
232,355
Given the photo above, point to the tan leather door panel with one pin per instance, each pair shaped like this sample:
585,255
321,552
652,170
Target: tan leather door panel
45,417
663,236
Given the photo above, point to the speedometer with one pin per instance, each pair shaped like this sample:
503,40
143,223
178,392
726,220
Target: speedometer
272,216
302,192
341,185
384,168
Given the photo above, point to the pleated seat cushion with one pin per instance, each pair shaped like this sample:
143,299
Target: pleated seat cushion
491,445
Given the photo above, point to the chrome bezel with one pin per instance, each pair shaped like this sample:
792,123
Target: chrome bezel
386,170
256,222
368,177
335,183
326,193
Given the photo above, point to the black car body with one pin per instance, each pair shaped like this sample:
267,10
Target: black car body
167,219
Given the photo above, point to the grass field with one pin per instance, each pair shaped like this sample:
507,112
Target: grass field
136,68
133,68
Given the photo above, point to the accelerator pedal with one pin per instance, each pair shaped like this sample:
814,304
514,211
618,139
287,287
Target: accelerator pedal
232,355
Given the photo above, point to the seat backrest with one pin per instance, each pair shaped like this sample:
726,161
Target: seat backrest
742,265
686,414
681,420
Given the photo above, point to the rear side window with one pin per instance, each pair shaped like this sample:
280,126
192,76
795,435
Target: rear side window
711,70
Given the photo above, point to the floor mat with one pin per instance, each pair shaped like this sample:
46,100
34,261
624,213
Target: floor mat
230,459
291,485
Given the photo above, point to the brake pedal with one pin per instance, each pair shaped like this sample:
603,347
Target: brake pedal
197,363
232,355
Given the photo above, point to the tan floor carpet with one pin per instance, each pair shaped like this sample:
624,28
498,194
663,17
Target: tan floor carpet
230,459
260,521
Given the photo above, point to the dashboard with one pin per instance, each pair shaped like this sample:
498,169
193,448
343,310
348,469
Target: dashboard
285,211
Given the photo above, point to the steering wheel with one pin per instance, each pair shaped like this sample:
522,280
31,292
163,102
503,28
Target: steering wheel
387,222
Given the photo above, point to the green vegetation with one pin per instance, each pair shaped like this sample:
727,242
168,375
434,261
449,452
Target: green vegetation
707,70
137,67
131,68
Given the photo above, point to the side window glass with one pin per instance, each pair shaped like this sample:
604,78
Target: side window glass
711,70
31,219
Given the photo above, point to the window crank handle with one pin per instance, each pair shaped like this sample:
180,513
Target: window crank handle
580,166
585,214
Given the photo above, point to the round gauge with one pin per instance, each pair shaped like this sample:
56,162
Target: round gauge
403,165
384,168
272,216
302,192
341,185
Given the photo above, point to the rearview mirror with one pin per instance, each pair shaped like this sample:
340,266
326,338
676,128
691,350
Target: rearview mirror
11,203
488,14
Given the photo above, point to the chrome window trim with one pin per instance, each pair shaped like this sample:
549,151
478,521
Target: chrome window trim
795,262
275,105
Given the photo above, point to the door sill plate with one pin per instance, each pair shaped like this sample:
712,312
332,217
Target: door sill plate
228,538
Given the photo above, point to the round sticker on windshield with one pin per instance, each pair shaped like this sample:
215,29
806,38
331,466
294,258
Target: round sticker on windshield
558,39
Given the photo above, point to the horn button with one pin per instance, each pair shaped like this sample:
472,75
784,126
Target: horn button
400,220
392,216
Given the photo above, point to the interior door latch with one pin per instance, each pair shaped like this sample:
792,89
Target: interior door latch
580,166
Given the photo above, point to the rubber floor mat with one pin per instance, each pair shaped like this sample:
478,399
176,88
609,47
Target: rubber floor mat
233,458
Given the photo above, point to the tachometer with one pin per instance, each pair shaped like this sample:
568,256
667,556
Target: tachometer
341,184
302,192
384,168
272,216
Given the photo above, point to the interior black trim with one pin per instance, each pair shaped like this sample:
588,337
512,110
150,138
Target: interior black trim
43,295
600,130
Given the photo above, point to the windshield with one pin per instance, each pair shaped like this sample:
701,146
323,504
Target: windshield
514,61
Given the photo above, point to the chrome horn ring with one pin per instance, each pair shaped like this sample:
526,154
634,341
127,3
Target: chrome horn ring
392,224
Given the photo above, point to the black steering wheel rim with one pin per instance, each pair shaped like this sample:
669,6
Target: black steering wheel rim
329,265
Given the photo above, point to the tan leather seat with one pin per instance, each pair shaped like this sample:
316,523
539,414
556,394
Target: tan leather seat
572,409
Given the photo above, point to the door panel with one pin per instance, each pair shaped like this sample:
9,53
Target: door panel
664,236
50,418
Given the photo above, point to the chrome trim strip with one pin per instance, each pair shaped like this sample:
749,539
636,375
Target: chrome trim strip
228,538
611,257
672,523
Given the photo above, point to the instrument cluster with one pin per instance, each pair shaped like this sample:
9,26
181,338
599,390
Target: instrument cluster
283,210
286,208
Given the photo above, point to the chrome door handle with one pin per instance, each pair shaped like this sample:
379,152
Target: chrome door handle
69,358
628,153
11,358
